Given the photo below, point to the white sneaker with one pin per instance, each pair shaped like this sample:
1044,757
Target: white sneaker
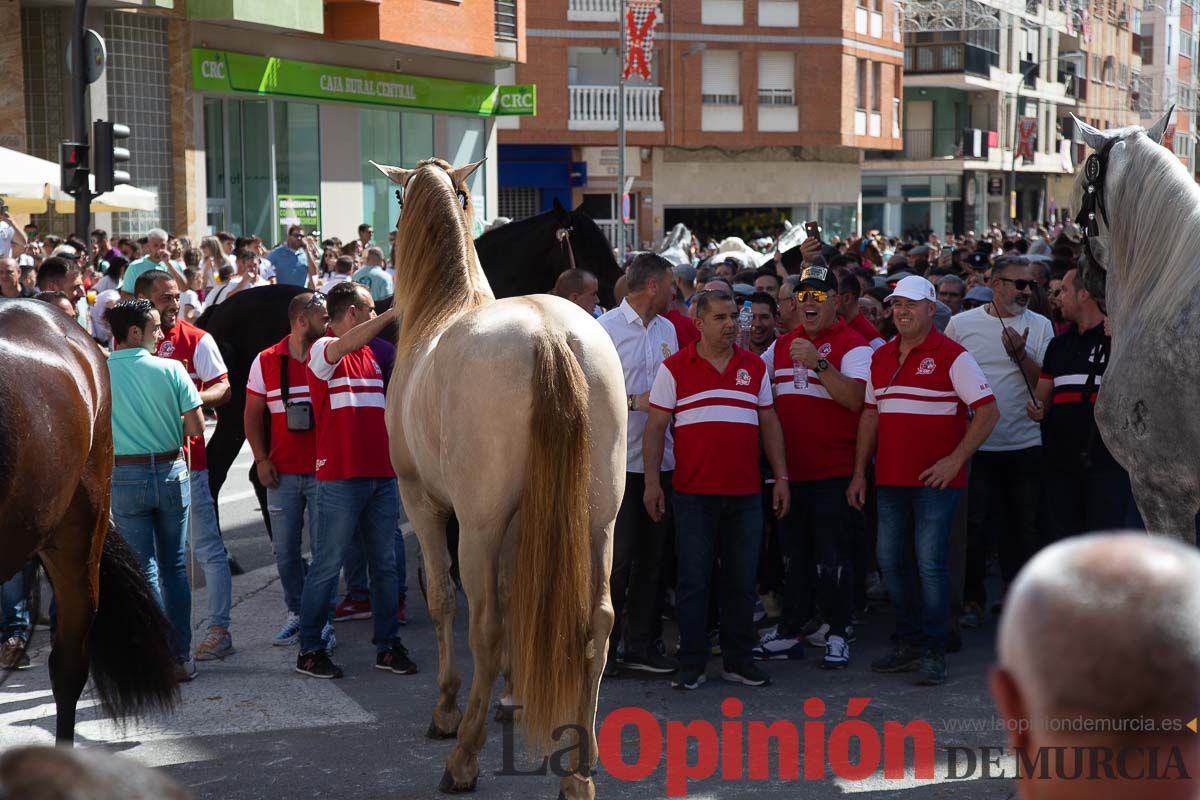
773,647
817,637
289,632
837,654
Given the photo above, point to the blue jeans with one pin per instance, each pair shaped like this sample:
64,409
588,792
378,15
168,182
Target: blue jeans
150,507
916,521
704,524
286,504
14,613
367,507
355,568
210,551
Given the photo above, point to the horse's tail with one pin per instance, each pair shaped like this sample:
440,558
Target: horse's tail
131,643
551,586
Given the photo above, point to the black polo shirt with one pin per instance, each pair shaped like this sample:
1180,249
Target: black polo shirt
1075,362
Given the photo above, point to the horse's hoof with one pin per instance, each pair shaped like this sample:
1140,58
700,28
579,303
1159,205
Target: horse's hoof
437,735
447,785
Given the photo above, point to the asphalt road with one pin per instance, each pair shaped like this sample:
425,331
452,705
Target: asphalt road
249,727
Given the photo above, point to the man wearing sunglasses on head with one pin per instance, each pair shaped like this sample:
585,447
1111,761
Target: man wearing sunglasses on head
818,376
1005,487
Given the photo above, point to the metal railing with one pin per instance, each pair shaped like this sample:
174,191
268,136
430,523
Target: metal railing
949,57
593,10
926,143
506,20
776,97
597,106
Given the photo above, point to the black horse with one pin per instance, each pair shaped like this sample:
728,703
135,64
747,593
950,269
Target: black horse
523,257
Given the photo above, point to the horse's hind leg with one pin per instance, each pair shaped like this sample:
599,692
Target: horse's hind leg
583,755
72,561
1167,510
479,564
430,528
506,712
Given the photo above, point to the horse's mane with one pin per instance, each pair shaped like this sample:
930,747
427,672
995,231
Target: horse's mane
1152,210
437,275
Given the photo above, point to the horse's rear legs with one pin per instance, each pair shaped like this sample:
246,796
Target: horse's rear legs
1168,510
71,579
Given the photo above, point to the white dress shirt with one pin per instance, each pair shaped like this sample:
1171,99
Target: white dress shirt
642,349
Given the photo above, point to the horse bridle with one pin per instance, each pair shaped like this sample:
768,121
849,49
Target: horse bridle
563,235
1095,169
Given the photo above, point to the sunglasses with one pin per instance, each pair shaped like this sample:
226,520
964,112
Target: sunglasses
318,299
1020,283
816,294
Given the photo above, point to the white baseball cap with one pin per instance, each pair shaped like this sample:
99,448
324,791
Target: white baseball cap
914,287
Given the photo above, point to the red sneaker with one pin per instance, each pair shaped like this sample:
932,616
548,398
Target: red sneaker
352,609
402,613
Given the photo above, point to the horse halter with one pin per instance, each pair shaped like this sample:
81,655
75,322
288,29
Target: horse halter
1095,169
564,242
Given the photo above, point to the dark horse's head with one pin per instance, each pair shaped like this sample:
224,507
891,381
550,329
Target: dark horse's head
527,256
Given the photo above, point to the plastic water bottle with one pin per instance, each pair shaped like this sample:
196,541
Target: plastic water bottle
745,318
799,375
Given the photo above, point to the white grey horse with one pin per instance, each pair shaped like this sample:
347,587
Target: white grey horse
1145,262
676,245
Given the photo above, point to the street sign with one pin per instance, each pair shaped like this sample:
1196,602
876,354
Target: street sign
625,216
95,55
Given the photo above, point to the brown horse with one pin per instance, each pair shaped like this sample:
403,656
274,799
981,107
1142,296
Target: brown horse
56,457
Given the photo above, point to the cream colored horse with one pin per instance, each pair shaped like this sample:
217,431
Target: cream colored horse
511,414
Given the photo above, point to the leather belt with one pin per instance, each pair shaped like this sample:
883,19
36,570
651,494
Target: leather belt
148,458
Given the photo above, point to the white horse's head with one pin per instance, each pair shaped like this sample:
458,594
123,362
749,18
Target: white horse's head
1104,169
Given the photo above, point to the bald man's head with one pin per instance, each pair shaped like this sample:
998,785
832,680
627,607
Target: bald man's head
1106,625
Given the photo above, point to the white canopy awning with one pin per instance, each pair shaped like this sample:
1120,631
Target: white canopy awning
28,184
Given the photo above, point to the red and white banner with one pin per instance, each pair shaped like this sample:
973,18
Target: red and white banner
640,18
1026,131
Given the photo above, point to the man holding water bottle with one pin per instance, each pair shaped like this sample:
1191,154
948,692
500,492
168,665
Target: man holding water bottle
818,375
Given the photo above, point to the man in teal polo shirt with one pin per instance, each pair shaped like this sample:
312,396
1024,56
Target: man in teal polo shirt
156,258
154,406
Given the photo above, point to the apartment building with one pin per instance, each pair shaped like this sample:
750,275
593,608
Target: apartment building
982,102
1167,39
249,115
755,111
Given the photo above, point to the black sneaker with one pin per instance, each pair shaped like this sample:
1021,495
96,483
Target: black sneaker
395,659
651,661
317,664
903,658
933,669
746,673
689,679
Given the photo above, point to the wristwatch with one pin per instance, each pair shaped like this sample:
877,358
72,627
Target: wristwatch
822,365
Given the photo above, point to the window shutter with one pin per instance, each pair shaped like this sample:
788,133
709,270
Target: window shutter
721,83
776,78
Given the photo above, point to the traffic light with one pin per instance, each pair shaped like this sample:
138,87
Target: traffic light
105,136
73,165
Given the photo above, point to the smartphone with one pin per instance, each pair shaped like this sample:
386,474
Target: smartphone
813,229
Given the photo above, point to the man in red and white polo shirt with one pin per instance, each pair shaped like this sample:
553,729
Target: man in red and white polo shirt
287,468
818,372
198,353
718,396
921,386
356,487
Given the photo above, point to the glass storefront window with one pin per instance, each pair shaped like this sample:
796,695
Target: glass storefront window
297,155
468,142
838,220
390,137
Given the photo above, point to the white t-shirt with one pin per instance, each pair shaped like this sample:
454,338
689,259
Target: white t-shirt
7,231
189,298
333,280
979,332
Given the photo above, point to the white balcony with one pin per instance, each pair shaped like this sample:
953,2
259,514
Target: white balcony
594,108
592,10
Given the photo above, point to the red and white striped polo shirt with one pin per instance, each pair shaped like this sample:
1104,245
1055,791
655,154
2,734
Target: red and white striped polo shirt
198,352
292,452
716,420
818,432
348,399
922,406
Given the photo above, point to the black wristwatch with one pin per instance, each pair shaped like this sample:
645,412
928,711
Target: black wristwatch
822,365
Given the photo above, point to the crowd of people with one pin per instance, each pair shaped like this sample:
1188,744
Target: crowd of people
889,414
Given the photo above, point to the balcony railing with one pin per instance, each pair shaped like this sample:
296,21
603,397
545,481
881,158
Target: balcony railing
949,57
506,20
923,144
594,108
776,97
592,10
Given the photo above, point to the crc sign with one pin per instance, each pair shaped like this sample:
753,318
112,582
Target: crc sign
516,101
214,70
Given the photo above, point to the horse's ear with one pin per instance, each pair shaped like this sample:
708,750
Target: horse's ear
396,174
461,174
1156,131
1094,137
